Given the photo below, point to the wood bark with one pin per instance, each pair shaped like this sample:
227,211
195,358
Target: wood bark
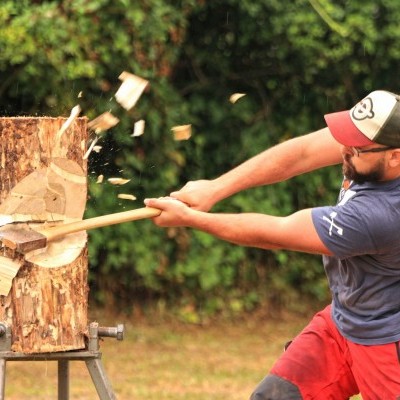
43,178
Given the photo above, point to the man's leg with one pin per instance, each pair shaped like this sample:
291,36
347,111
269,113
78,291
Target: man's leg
315,366
377,370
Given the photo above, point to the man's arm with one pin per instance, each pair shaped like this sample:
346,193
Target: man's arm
295,232
281,162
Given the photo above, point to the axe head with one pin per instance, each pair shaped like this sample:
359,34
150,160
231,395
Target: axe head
23,240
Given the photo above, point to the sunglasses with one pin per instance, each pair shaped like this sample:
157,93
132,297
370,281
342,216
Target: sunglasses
357,151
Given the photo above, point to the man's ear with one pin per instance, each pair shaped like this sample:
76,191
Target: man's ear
394,160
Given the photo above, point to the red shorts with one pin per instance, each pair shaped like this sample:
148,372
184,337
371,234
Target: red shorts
326,366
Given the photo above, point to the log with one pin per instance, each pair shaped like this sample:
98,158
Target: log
43,178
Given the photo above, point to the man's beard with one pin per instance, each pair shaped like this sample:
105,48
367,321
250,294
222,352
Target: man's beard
350,172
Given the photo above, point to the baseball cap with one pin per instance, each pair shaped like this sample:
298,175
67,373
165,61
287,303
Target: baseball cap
375,119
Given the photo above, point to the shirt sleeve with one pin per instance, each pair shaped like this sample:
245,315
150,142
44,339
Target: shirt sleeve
352,229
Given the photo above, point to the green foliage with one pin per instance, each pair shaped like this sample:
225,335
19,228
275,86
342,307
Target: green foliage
294,60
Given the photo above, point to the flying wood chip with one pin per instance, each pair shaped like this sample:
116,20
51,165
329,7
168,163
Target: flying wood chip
100,179
118,181
126,196
138,128
182,132
130,90
235,97
103,122
91,147
74,114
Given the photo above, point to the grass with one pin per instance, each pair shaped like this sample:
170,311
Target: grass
168,361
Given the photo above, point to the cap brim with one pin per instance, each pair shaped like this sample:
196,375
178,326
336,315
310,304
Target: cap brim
344,131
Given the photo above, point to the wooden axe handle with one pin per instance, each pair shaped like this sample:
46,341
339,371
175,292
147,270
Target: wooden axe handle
58,231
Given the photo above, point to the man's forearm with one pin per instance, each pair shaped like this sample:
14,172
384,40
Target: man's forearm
279,163
245,229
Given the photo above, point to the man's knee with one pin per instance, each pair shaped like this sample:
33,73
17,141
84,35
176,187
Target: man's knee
273,387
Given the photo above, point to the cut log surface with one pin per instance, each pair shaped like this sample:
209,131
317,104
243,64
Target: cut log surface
43,179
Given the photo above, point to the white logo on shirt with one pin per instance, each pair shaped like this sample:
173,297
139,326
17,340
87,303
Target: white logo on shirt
339,230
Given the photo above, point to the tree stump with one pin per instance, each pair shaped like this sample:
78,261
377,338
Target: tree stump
43,180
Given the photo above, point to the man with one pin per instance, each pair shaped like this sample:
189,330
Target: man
352,346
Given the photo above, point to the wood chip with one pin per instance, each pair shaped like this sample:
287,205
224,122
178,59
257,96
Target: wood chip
130,90
90,147
182,132
8,270
118,181
126,196
100,179
138,128
235,97
103,122
74,114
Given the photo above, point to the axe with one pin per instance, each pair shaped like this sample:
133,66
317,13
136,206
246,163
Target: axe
24,241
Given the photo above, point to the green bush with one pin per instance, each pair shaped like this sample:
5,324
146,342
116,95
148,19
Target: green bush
294,61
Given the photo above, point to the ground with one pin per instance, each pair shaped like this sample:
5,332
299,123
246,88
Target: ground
167,360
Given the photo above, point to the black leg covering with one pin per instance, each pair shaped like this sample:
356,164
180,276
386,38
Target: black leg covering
273,387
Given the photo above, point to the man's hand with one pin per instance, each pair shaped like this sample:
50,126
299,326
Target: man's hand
197,194
173,211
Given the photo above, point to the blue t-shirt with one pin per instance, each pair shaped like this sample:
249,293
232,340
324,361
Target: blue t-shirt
363,233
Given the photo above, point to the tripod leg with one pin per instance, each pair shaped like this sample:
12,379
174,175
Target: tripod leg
100,380
2,378
63,379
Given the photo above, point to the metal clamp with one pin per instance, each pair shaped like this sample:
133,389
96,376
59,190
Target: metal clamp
96,331
5,337
115,332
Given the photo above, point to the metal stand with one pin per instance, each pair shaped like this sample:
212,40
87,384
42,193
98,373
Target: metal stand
91,355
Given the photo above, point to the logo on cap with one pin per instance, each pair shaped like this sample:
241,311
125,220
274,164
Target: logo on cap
363,110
